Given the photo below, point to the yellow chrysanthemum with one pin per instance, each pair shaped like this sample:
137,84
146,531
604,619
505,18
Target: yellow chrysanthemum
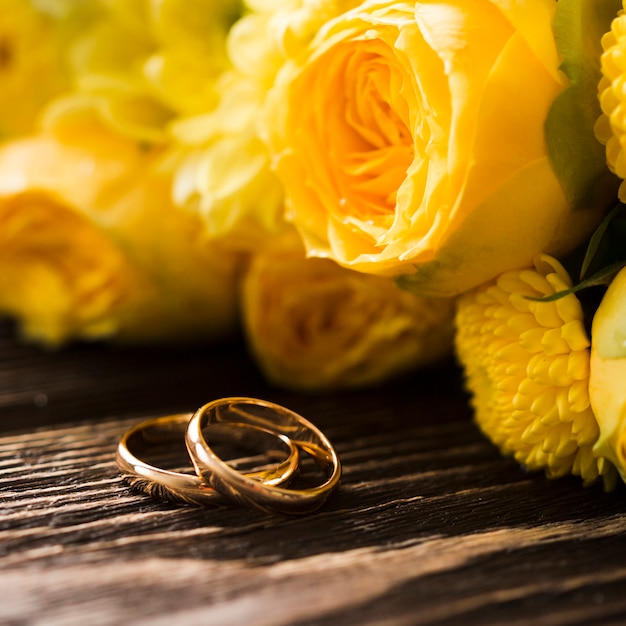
142,64
611,126
222,169
31,68
527,368
222,166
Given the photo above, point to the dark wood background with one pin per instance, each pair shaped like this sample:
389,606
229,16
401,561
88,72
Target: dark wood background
430,526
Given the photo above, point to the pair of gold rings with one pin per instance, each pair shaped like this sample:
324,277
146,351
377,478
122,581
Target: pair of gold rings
252,481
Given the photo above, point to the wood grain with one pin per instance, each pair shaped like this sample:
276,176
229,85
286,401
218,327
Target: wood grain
430,525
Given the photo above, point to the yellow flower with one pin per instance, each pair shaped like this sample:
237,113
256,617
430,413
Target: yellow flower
195,279
221,170
142,64
527,368
31,66
271,32
611,126
406,144
314,325
91,245
608,373
60,276
221,165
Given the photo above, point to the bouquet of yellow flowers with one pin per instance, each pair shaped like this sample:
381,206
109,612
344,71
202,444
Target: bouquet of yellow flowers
360,187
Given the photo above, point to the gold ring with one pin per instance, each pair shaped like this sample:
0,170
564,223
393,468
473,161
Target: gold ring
241,488
177,486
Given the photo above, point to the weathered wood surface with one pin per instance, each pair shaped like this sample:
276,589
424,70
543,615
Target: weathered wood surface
430,525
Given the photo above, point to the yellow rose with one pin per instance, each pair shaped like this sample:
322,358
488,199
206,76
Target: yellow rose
60,276
272,31
92,245
314,325
410,138
607,376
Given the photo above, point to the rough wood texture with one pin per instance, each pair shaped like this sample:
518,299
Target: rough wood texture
430,526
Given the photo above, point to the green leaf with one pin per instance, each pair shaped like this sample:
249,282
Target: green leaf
596,238
602,277
577,157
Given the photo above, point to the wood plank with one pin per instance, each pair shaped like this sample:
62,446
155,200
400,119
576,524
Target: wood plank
430,526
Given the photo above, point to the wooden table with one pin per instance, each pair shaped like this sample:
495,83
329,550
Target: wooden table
430,525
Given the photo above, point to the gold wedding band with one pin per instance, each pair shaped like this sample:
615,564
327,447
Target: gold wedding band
177,486
245,490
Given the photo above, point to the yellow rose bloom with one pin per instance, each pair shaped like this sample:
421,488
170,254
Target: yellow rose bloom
31,65
314,325
410,138
607,374
611,127
527,368
60,276
92,245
